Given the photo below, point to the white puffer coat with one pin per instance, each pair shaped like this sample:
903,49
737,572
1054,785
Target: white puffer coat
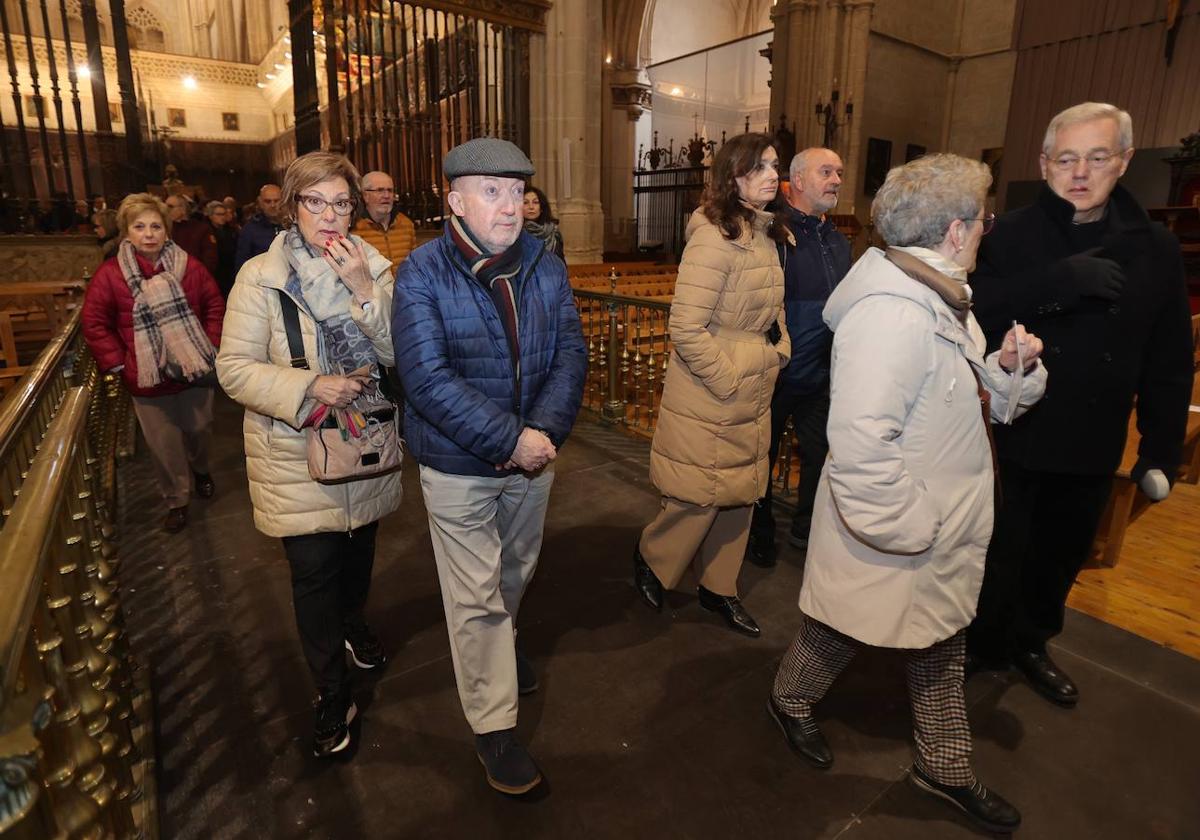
254,369
904,508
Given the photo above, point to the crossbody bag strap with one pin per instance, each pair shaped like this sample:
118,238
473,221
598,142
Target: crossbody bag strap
291,325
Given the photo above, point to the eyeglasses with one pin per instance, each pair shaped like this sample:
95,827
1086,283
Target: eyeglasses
316,205
1096,160
988,219
380,190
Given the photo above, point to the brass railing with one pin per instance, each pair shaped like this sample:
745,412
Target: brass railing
76,758
629,347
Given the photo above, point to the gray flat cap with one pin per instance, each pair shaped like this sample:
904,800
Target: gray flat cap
486,156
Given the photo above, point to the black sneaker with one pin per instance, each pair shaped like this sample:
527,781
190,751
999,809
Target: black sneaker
986,808
363,644
509,766
527,679
331,729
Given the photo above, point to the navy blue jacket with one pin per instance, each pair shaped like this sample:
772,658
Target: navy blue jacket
819,261
255,238
463,411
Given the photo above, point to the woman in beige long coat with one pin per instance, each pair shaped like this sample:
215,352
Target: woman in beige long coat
903,512
341,289
709,457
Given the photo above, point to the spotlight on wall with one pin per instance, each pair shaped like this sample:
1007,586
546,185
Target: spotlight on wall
189,82
676,91
270,75
261,85
287,39
288,56
85,72
278,66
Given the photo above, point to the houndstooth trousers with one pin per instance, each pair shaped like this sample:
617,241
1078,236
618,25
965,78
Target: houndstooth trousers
935,689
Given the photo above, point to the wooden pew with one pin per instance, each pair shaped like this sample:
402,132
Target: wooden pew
10,368
36,311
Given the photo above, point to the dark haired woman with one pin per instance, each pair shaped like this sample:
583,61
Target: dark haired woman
540,222
709,458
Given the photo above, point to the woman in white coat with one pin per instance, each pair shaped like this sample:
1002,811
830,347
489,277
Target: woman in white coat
905,504
342,290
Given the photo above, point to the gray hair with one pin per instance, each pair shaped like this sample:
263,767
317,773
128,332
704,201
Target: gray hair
800,161
1086,112
919,200
213,207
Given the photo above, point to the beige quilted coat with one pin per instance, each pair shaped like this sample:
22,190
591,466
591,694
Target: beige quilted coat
253,368
714,427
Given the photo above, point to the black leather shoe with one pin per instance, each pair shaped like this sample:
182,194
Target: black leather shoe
731,609
986,808
646,582
176,520
509,766
1047,678
527,680
760,550
204,485
803,736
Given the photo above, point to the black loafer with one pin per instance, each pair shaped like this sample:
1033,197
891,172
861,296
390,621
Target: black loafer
1047,678
509,766
731,609
527,680
204,485
986,808
646,582
803,736
176,520
761,551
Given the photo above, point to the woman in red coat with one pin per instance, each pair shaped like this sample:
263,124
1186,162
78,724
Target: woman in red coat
155,315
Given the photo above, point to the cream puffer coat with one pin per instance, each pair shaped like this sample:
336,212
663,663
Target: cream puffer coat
254,369
714,427
904,507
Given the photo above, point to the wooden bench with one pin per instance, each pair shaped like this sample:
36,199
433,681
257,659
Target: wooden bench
37,310
623,269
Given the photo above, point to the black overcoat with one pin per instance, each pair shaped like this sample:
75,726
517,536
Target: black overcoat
1100,354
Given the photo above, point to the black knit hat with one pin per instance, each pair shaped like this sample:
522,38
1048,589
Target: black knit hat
486,156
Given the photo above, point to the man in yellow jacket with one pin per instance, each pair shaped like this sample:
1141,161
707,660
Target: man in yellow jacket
391,233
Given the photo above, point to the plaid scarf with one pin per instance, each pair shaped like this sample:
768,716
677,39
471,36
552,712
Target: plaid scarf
166,332
496,273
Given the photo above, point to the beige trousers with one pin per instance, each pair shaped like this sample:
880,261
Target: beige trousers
178,429
709,539
487,535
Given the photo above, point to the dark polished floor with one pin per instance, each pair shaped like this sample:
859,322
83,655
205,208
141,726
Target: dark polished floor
646,726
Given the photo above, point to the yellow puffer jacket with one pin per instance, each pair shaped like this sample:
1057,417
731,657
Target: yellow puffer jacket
254,368
714,427
395,243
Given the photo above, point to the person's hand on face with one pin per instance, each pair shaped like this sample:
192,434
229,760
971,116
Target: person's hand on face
323,214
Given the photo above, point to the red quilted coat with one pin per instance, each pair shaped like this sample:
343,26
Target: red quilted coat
108,318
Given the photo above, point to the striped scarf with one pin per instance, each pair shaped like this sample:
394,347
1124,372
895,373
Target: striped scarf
166,333
496,273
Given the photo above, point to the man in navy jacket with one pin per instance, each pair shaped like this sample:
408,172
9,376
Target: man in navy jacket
491,356
811,269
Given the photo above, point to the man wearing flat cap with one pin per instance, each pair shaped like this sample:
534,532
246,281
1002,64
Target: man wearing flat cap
491,355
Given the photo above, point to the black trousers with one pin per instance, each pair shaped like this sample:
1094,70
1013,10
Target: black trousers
810,414
1045,525
331,575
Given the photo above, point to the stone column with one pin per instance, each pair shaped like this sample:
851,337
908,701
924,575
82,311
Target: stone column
565,145
857,40
628,95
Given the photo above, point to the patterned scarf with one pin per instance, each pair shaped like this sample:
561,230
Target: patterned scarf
496,273
167,335
547,232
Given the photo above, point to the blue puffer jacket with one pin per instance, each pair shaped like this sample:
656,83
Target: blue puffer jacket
461,415
819,261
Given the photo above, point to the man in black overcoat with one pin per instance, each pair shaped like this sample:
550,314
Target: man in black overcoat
1086,269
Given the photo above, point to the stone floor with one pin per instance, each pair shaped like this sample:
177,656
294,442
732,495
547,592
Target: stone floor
646,726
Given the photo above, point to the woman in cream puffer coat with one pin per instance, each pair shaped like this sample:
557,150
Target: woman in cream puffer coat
709,457
342,291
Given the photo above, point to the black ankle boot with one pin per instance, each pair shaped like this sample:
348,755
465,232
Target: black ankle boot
646,582
731,609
